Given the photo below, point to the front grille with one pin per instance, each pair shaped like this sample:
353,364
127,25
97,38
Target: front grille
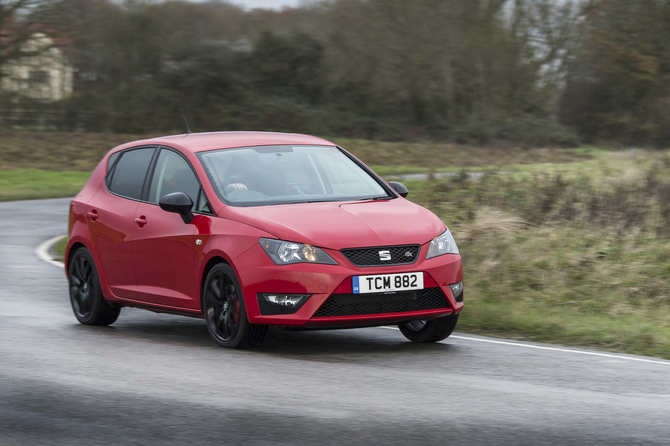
400,255
380,303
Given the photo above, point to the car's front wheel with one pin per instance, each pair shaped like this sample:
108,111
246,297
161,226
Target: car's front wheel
89,307
429,331
225,313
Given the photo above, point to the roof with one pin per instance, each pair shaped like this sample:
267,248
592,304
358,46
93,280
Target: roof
201,142
16,34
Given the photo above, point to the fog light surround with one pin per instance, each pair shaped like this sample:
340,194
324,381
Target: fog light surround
457,291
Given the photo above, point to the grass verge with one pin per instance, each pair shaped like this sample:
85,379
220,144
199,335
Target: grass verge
58,250
579,256
82,152
600,288
400,157
25,184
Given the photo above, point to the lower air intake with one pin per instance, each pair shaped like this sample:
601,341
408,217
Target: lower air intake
400,302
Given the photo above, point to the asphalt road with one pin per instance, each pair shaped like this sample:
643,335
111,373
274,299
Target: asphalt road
159,379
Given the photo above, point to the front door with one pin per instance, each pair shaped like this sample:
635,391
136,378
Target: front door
164,246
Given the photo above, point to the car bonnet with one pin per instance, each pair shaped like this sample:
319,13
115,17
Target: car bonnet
338,225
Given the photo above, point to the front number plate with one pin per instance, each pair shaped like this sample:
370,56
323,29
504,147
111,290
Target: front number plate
382,283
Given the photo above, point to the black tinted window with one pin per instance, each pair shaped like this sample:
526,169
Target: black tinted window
112,160
131,169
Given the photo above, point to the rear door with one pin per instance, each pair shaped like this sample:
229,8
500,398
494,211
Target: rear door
111,215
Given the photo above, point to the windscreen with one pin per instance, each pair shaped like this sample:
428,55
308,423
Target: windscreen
256,176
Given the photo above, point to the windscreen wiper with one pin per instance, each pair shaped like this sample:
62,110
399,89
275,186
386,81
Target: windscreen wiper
385,197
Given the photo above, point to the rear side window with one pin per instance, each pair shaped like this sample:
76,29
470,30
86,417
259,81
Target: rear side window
112,161
128,175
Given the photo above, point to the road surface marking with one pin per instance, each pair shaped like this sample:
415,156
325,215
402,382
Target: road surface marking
556,349
42,251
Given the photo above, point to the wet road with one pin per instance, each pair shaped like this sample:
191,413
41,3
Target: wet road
158,379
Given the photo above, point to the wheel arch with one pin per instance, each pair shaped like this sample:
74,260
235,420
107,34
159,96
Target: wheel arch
68,254
73,246
211,263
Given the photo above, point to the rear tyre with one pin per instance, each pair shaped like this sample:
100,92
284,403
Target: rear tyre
225,313
88,304
429,331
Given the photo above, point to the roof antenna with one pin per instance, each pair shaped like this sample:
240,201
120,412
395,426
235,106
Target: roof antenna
188,129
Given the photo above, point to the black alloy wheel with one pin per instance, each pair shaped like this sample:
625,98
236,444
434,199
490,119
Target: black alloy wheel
88,304
429,331
224,310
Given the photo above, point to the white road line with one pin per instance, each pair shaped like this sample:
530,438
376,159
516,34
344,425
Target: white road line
42,251
556,349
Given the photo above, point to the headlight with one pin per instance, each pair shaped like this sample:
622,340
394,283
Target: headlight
444,244
285,253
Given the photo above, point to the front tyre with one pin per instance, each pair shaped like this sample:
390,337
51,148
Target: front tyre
225,313
429,331
89,307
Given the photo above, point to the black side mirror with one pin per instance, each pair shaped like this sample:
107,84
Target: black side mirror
400,188
179,203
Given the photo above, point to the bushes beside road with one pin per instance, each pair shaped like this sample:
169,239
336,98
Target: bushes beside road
577,254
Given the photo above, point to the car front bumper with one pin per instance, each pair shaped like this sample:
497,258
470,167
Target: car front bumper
332,302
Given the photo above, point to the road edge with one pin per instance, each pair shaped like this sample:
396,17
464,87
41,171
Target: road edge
42,251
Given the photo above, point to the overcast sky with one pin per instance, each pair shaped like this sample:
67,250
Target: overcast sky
271,4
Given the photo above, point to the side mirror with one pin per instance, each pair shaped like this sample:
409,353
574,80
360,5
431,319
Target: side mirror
400,188
179,203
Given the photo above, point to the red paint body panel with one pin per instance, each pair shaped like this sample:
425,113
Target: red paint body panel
202,142
258,275
110,235
368,223
164,251
161,264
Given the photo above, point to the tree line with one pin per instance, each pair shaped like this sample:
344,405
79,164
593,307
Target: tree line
529,72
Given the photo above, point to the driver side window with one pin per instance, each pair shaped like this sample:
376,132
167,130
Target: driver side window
174,174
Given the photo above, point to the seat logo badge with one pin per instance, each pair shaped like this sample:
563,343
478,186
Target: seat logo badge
384,256
198,242
409,254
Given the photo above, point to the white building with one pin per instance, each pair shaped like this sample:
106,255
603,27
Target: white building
43,74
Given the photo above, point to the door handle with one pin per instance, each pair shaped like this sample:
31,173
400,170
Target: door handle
141,221
93,215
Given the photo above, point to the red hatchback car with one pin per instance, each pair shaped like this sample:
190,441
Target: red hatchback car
253,229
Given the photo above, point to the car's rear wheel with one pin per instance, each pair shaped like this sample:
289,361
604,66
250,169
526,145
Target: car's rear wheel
225,313
429,331
89,307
